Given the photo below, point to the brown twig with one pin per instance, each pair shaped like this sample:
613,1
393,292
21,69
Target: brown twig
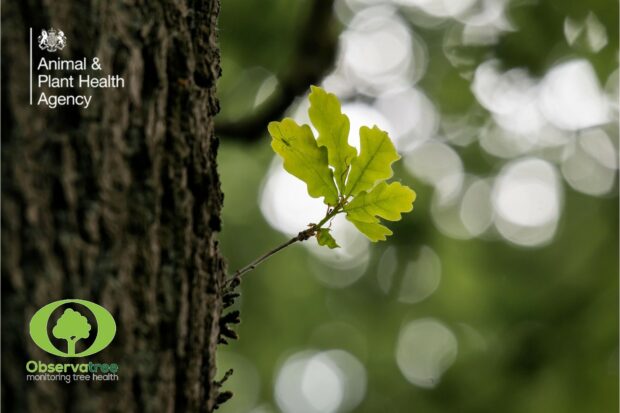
235,279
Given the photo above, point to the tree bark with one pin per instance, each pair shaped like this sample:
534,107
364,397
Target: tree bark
118,204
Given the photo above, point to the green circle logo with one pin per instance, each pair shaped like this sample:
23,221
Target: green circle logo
71,327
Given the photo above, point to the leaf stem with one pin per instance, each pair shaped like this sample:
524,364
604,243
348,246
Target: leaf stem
233,281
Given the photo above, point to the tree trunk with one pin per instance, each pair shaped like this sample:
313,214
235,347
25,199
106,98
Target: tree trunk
70,346
118,204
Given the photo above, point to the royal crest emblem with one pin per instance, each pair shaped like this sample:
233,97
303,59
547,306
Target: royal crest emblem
52,40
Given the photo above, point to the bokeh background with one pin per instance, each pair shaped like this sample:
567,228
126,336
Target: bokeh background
499,293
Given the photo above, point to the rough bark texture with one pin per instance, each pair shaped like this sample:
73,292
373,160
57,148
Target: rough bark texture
117,204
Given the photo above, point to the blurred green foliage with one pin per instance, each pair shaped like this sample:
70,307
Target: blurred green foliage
537,328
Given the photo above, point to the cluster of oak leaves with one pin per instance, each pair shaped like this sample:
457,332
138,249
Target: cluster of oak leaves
350,183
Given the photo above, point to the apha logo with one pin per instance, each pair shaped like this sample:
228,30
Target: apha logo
52,40
67,322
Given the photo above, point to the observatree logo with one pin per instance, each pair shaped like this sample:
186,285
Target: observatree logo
73,324
52,40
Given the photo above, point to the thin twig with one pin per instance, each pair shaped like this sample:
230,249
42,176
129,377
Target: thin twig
235,279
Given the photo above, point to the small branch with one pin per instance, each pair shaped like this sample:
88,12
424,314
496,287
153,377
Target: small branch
235,279
314,56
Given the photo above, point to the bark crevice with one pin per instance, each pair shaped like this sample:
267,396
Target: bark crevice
117,204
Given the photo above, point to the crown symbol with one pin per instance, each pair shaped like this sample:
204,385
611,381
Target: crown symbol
52,40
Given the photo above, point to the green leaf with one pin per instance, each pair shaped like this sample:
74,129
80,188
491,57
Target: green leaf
387,201
373,231
303,158
377,153
333,128
323,237
331,168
